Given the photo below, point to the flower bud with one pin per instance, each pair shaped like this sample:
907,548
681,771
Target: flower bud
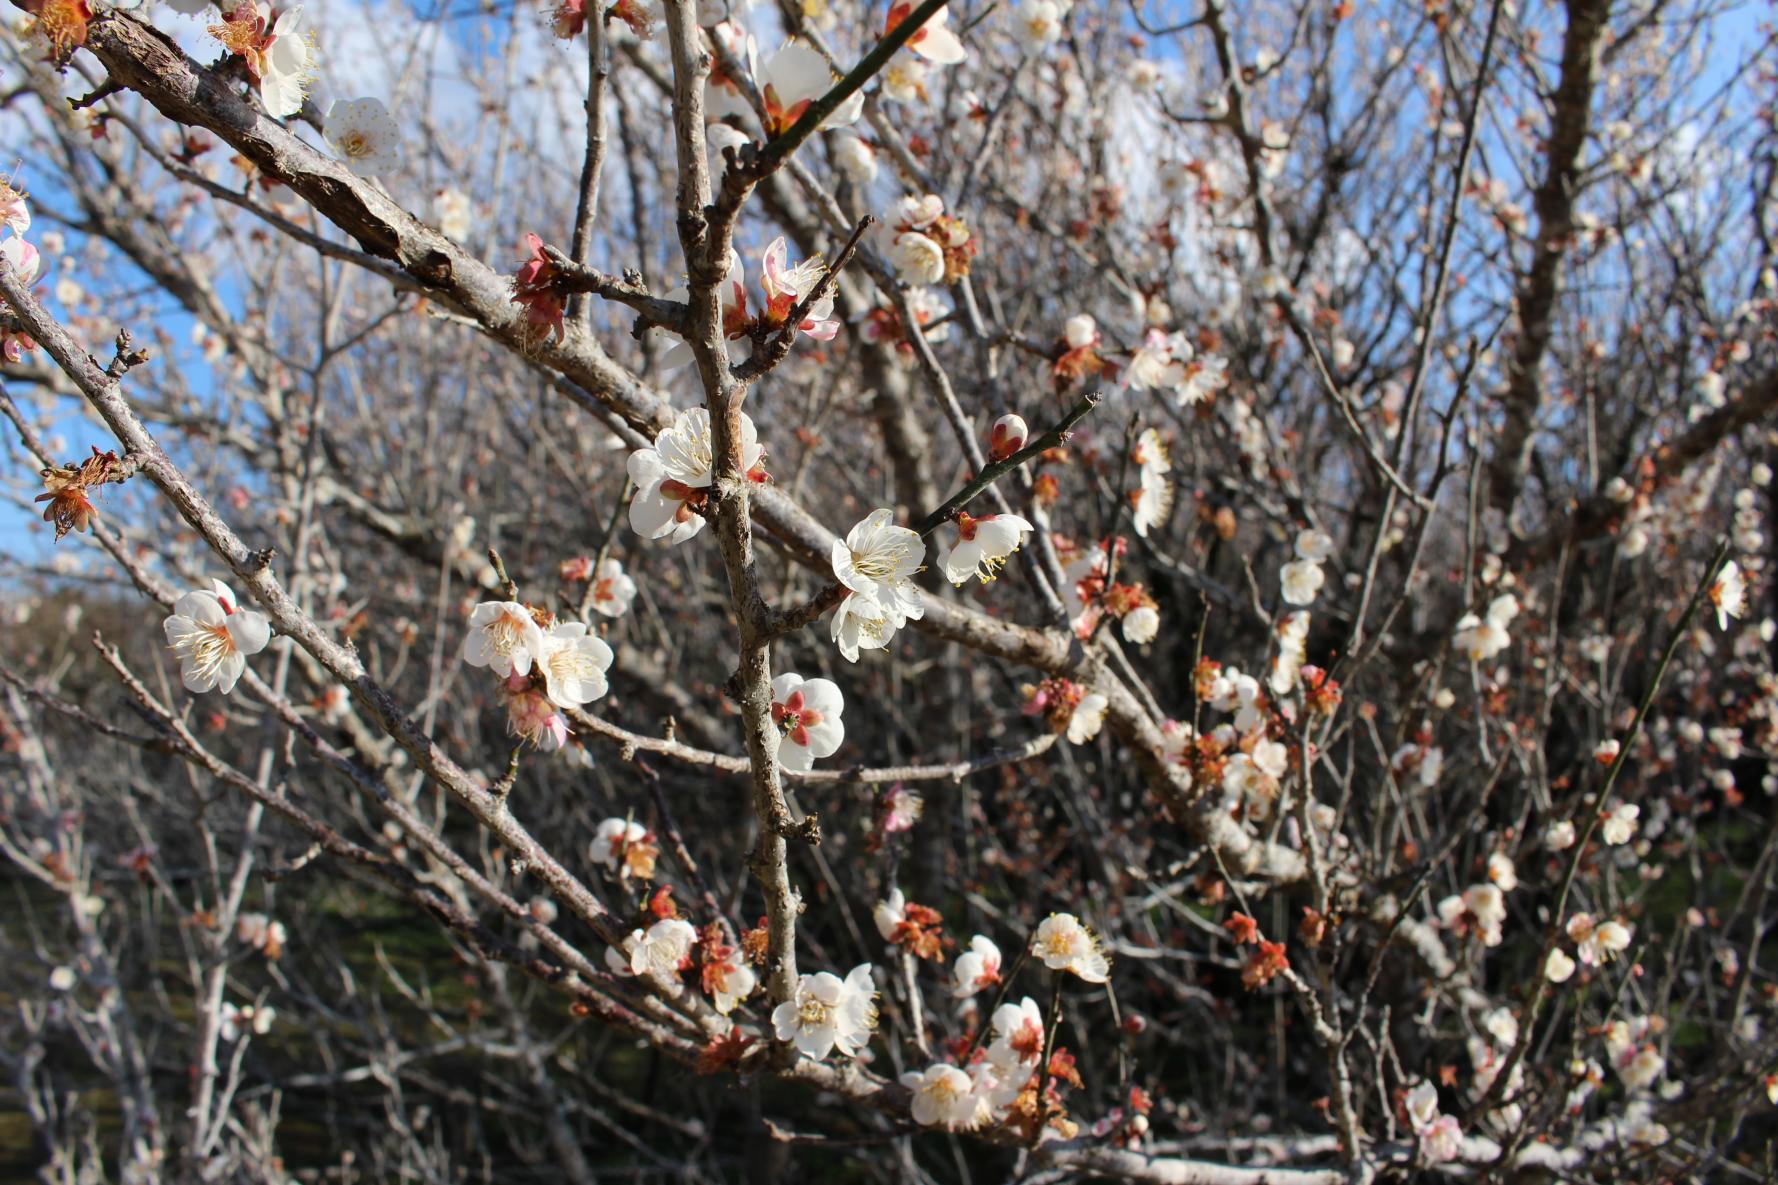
1007,438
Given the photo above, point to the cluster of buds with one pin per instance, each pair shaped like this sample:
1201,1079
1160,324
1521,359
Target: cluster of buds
569,18
884,324
1266,962
66,486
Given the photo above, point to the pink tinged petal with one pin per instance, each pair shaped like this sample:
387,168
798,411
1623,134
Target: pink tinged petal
937,44
773,263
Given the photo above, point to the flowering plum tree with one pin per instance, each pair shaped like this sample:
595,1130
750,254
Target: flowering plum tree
926,592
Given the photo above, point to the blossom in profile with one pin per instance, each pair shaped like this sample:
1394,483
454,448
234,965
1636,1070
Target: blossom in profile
366,136
944,1096
1729,594
573,663
1618,824
861,623
727,978
504,637
23,258
613,589
806,713
982,547
673,477
1481,638
531,716
935,42
793,79
1152,499
1064,944
977,968
787,286
534,290
826,1013
213,635
626,847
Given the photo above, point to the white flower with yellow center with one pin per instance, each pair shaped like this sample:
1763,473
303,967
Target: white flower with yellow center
982,547
877,560
944,1096
673,478
365,135
828,1013
1065,945
213,635
861,624
504,637
573,663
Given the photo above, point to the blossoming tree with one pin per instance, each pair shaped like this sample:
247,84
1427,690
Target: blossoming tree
1052,591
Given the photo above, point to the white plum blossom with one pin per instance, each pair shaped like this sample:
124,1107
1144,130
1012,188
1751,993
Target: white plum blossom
22,258
917,258
890,913
976,968
1558,967
504,637
1065,945
673,478
1619,823
455,215
1314,546
877,560
1301,581
1421,1105
982,547
860,623
1560,835
1088,718
623,846
213,635
573,663
662,950
935,42
1597,943
853,157
1141,624
235,1021
1080,331
806,713
729,981
366,136
62,979
1152,499
1038,24
1442,1140
1153,364
828,1013
613,589
944,1096
1481,638
1729,594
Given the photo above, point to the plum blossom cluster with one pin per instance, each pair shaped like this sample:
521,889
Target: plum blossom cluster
1439,1136
912,927
1091,594
875,563
263,934
1152,499
1302,578
626,848
1480,638
789,292
924,244
545,666
1168,362
273,48
610,590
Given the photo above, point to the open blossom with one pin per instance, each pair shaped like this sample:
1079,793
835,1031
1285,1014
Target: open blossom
944,1096
1597,943
663,950
853,157
262,934
1152,499
613,590
213,635
976,968
365,135
861,623
573,663
1559,836
901,809
1301,580
1038,23
1558,967
828,1013
236,1021
1481,638
982,547
1619,823
673,478
1065,945
785,286
1480,909
1018,1034
917,258
1088,718
1442,1140
878,559
1729,594
504,637
625,847
275,50
1154,364
806,713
